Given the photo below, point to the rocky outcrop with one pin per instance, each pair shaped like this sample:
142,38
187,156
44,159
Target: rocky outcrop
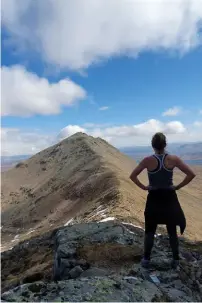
29,261
81,245
100,262
96,289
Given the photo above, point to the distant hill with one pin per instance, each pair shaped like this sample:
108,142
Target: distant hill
191,148
8,162
15,158
189,151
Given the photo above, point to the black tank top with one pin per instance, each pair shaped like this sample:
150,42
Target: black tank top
161,177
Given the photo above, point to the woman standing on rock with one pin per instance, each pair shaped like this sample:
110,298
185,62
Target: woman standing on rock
162,206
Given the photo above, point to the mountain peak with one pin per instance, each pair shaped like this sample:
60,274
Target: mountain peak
68,180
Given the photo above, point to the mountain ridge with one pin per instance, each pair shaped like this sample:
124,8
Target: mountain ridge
59,183
80,179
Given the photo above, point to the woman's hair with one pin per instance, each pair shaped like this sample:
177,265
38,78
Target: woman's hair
159,141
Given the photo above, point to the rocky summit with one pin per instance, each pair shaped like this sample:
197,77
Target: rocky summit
99,262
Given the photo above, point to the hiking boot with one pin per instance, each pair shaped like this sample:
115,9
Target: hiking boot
145,263
175,264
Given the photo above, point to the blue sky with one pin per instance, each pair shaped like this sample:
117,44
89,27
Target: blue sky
100,74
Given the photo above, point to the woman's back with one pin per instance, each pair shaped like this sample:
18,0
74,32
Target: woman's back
160,167
160,171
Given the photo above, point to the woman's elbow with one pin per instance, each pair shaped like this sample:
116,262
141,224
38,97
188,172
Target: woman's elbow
133,178
192,175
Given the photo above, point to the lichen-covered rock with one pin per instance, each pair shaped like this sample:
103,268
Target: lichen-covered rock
75,272
94,272
93,242
100,289
176,295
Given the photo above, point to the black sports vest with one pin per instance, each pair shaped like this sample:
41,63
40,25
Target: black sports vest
161,177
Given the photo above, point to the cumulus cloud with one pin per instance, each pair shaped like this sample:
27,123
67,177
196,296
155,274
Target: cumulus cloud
70,130
145,129
142,130
173,111
140,134
104,108
26,94
75,34
17,142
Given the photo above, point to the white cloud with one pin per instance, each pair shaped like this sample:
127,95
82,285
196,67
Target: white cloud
116,134
75,34
140,134
18,142
15,141
26,94
104,108
69,131
145,129
173,111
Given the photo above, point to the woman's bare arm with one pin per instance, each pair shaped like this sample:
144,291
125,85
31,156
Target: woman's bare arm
134,175
190,175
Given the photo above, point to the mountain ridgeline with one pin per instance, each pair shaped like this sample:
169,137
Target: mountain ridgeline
55,211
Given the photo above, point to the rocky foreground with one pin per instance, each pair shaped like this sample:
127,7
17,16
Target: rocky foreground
99,262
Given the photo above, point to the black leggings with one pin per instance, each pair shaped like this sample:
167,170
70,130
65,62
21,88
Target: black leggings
150,229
